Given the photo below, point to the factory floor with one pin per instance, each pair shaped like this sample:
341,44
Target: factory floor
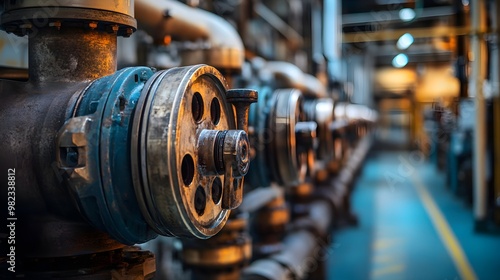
410,227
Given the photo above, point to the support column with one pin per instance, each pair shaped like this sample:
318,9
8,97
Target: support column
478,15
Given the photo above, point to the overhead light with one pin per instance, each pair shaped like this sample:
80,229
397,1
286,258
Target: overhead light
406,14
400,60
404,41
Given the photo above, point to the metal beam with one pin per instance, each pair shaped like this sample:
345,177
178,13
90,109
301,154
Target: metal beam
393,35
393,16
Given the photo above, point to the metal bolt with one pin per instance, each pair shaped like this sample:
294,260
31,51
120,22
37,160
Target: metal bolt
236,163
113,28
220,151
128,32
93,25
236,152
241,100
225,152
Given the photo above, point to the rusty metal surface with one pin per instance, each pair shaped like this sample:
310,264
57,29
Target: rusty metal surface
17,74
71,54
32,117
174,111
224,255
30,20
118,6
126,263
284,153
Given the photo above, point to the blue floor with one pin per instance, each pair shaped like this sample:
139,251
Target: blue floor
400,236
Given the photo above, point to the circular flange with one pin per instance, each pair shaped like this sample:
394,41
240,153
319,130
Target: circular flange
177,198
28,19
286,111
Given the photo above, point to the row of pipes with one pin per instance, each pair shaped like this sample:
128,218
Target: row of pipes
249,161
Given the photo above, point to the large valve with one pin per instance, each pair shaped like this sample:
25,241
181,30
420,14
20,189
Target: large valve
149,153
282,139
190,153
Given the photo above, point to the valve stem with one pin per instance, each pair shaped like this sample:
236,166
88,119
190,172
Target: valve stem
241,100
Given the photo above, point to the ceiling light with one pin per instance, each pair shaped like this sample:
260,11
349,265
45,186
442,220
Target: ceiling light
404,41
406,14
400,60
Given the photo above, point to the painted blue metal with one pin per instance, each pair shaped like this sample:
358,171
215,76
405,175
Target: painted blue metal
259,174
110,202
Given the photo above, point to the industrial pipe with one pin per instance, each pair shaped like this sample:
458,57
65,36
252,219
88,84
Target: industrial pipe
99,158
163,19
301,251
292,76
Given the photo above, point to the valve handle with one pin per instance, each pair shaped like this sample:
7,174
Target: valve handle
241,100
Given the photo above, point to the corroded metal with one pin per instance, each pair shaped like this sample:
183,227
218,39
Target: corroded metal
30,17
118,6
285,155
224,255
108,155
70,54
188,152
93,155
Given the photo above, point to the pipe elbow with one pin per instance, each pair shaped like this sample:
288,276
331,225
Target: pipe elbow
170,18
292,76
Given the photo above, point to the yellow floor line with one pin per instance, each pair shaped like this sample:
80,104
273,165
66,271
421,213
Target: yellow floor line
445,233
384,271
384,243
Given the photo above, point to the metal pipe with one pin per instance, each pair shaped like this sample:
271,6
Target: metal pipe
52,7
478,76
63,57
293,77
354,19
305,248
258,198
302,249
76,42
82,55
170,18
